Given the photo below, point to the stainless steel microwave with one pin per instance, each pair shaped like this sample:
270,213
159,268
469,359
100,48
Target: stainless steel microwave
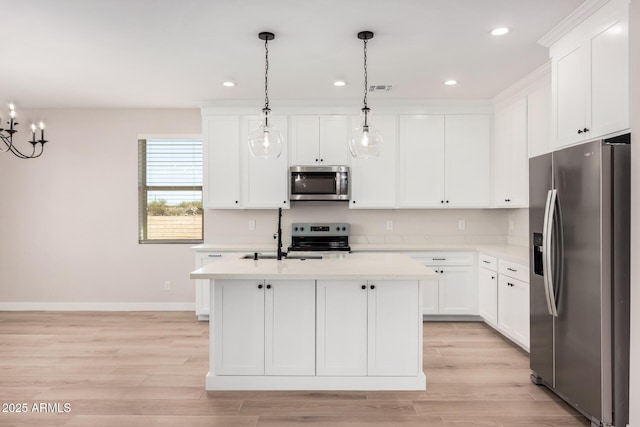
319,183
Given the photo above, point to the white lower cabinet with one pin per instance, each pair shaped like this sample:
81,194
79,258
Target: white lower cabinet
368,328
488,289
202,286
264,327
455,291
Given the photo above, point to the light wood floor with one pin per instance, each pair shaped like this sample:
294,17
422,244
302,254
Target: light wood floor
148,369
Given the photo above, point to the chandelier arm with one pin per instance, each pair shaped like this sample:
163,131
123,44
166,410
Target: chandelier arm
8,142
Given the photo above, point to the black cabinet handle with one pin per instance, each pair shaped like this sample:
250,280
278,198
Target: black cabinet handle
236,201
268,286
485,261
585,130
322,160
439,259
316,160
354,201
493,277
512,269
579,130
447,201
260,286
364,287
373,286
441,201
284,201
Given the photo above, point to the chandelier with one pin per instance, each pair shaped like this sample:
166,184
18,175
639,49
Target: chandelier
7,137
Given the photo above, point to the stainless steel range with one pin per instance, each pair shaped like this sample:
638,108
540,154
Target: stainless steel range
319,237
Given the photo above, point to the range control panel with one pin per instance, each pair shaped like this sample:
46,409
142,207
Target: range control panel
319,229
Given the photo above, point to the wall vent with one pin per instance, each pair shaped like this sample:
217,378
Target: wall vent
380,88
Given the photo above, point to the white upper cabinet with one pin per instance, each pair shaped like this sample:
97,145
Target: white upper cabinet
510,159
221,147
264,182
590,77
467,161
319,140
373,180
421,168
538,113
445,161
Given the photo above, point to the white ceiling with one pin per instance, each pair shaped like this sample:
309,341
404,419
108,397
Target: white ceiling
176,53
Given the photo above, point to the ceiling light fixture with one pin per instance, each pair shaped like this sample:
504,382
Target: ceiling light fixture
339,83
266,140
7,137
499,31
365,141
451,82
228,84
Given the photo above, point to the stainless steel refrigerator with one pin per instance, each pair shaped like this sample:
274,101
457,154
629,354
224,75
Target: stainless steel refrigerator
579,224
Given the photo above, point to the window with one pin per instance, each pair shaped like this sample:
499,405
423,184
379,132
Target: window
170,190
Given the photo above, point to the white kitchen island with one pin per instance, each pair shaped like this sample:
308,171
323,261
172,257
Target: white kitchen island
344,322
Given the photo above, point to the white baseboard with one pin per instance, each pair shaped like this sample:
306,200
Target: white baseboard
97,306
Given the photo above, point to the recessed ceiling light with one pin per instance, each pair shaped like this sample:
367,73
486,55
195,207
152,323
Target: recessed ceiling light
499,31
451,82
339,83
228,84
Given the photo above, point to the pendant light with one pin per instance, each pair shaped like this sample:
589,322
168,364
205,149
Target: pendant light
365,141
266,141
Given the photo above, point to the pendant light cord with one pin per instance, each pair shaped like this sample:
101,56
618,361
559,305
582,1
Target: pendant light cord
266,76
366,108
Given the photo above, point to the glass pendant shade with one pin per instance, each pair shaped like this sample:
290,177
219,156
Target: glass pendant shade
365,142
265,141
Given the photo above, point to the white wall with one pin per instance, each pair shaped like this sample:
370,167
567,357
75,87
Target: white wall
69,220
634,77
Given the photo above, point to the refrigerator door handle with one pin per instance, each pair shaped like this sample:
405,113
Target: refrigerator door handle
546,251
549,232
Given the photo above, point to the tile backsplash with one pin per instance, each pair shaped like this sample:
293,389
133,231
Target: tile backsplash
497,226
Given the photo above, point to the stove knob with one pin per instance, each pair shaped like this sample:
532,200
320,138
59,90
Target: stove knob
344,228
301,228
295,228
337,228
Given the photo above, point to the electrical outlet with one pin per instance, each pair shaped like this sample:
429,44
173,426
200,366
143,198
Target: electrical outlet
167,285
252,224
462,224
389,224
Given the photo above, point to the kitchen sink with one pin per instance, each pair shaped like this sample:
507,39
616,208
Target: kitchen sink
274,256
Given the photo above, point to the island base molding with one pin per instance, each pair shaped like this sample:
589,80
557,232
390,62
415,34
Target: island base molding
250,382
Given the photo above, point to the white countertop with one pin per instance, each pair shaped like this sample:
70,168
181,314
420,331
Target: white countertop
353,266
514,253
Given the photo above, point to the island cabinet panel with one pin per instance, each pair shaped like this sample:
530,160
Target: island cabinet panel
342,328
394,327
290,321
368,328
264,327
238,327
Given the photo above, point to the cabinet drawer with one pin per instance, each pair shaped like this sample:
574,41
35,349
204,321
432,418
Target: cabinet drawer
488,262
442,258
511,269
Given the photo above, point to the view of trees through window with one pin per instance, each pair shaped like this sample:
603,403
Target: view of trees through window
170,190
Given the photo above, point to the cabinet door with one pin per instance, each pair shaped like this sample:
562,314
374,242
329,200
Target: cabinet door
341,328
467,160
305,140
395,328
458,291
505,305
610,79
334,140
290,320
221,151
373,182
538,114
238,327
265,182
501,151
202,285
430,296
518,180
570,76
421,166
488,295
520,311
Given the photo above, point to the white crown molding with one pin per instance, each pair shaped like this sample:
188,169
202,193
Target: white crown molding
570,22
97,306
523,86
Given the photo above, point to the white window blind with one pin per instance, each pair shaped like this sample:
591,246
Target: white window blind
170,190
